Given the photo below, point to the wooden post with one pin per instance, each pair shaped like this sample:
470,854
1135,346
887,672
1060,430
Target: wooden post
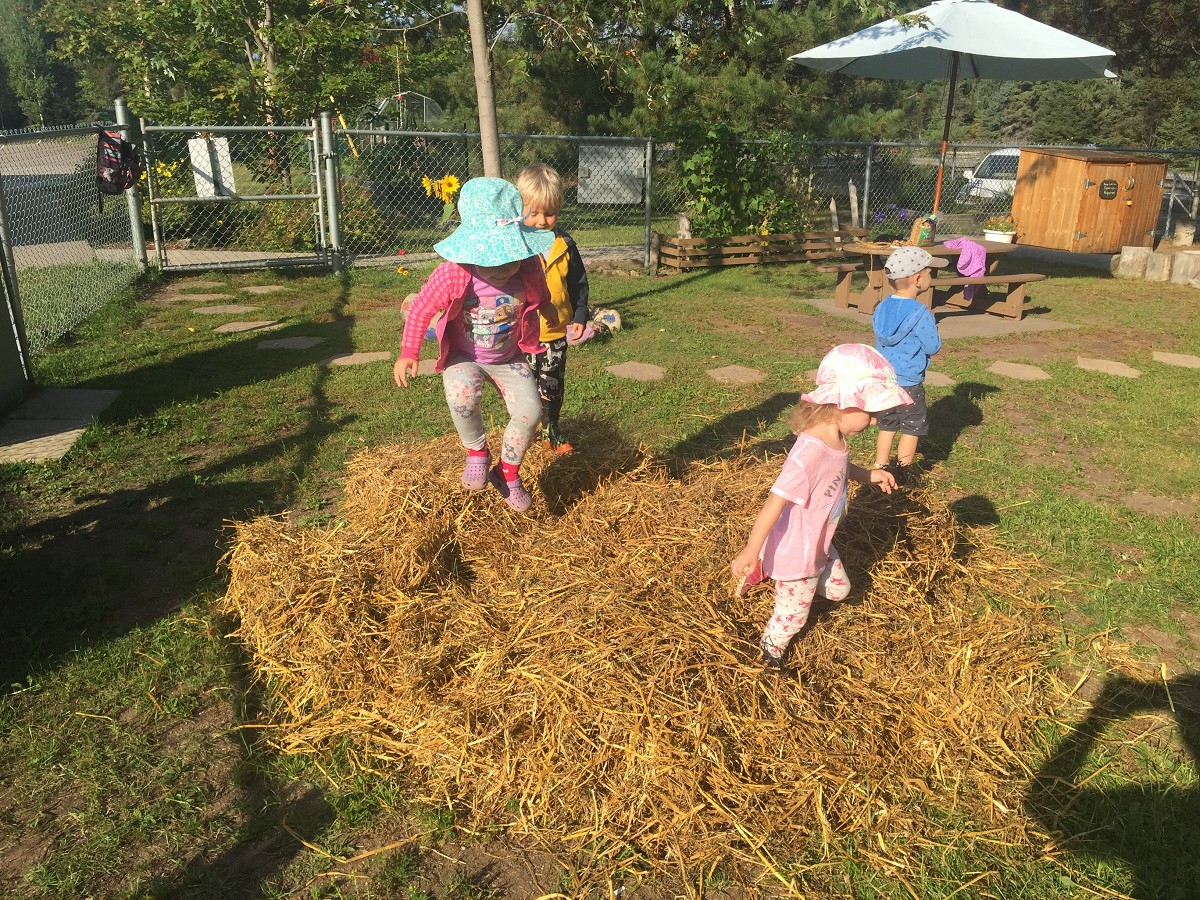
854,217
833,213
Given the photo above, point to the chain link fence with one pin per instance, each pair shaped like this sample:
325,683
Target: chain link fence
65,256
243,197
239,197
388,206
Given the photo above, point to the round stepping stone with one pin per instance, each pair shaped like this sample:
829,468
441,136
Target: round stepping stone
231,309
238,327
1020,371
1107,366
937,379
1160,507
1185,360
262,288
735,375
203,298
290,343
638,371
356,359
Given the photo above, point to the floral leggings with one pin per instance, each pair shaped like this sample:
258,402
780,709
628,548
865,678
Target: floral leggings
793,600
463,381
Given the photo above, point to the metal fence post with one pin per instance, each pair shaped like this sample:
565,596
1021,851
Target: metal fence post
649,185
329,157
11,288
133,196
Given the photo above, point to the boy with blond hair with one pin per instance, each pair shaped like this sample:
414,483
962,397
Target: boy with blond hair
542,194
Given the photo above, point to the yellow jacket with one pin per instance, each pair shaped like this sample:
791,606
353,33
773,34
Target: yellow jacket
567,280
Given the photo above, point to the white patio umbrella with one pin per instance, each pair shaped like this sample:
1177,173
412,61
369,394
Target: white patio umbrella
967,38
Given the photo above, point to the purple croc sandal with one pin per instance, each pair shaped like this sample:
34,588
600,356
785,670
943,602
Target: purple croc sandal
513,492
475,472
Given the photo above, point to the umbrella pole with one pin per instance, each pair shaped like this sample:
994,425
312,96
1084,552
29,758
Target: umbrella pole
937,191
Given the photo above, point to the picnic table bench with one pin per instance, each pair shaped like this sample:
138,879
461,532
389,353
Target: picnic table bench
950,291
945,289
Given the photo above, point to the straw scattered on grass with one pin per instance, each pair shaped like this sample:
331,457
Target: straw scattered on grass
586,680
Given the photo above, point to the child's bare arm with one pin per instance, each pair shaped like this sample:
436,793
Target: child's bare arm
744,562
882,477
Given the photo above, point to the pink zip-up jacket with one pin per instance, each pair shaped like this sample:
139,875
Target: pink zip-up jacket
445,290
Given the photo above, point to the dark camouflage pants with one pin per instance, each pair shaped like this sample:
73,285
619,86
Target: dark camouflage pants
550,374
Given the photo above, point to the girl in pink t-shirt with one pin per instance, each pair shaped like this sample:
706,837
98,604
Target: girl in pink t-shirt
792,538
489,292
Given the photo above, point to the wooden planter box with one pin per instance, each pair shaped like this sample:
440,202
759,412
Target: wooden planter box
752,249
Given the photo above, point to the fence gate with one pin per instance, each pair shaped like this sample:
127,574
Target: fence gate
237,197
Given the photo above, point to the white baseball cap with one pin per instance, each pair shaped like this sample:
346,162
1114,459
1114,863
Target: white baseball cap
906,261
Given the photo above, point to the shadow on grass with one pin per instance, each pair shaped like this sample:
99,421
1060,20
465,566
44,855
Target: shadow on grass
1152,827
124,559
950,416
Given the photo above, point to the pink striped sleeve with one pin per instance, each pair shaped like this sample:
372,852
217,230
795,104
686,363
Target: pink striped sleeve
434,295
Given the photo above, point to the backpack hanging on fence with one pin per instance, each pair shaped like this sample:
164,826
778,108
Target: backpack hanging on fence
118,166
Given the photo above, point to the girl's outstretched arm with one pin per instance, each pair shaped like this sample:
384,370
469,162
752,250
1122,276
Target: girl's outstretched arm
882,477
745,561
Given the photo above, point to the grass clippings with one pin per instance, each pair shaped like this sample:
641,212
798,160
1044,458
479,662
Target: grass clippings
582,676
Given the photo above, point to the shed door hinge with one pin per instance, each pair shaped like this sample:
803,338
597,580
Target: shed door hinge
1087,183
1080,234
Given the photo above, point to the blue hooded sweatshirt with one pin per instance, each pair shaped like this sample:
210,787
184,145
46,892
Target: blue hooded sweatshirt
906,334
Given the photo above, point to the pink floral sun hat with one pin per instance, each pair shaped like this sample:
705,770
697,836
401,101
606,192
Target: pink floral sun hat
857,376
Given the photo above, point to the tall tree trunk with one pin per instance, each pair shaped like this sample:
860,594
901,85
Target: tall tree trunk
489,138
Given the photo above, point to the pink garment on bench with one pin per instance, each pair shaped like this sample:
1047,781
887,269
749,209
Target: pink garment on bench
972,262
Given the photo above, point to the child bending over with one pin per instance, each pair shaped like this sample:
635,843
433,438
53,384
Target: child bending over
792,538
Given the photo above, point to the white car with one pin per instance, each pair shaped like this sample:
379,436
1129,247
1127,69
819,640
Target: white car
995,176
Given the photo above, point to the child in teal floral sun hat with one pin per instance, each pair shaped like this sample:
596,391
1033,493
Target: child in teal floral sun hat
489,291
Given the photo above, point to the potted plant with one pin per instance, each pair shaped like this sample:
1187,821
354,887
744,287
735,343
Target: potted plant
1000,228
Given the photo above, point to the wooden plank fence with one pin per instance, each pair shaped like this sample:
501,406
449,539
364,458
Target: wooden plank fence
682,254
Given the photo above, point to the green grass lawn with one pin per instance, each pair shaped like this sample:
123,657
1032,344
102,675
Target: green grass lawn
124,772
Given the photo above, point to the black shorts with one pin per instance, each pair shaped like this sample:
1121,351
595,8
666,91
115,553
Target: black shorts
906,419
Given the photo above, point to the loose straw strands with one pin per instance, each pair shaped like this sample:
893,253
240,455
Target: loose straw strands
585,665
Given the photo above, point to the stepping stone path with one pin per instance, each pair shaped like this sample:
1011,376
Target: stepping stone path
638,371
290,343
1107,366
1178,359
937,379
262,288
231,309
1020,371
356,359
204,298
45,426
735,375
238,327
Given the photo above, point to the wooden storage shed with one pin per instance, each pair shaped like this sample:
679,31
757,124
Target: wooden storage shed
1087,201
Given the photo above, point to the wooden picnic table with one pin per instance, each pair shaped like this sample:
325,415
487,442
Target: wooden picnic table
873,257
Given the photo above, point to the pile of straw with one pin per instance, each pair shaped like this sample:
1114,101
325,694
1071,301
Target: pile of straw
583,675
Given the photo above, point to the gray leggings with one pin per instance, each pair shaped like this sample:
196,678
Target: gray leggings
463,381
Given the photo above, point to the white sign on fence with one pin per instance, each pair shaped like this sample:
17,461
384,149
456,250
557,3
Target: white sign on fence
212,168
611,173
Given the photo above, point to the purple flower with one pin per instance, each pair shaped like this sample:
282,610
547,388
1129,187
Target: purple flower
903,214
878,217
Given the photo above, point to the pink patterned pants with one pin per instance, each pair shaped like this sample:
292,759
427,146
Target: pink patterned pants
793,600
